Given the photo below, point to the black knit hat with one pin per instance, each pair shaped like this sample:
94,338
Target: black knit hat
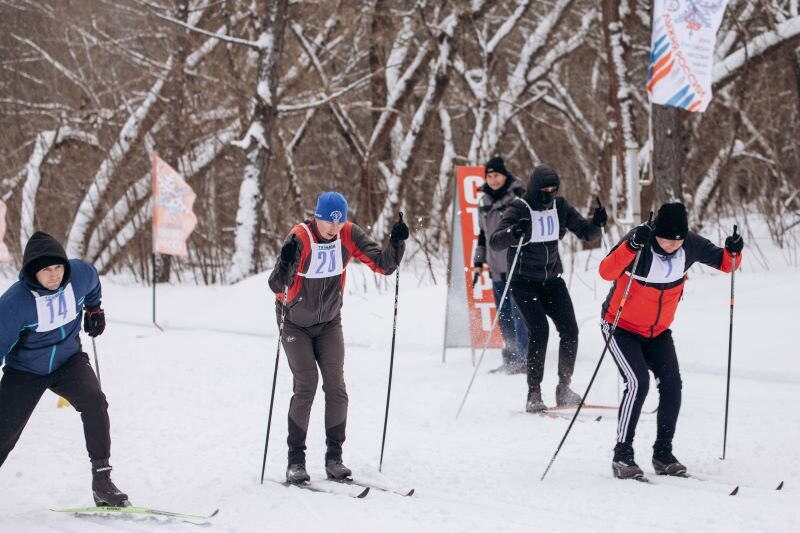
496,164
672,221
43,262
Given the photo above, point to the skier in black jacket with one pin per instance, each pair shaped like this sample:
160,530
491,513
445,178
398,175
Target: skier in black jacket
541,218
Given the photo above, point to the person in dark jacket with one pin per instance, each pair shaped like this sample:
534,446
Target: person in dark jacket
538,221
642,340
40,317
500,189
312,267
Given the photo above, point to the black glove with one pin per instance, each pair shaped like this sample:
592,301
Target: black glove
734,244
477,268
289,252
522,227
399,230
599,217
641,236
94,320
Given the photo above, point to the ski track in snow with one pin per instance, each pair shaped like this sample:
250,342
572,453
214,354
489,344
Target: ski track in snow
188,410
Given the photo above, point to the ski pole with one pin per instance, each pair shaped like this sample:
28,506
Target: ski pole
274,378
494,324
730,348
605,349
391,359
603,237
96,364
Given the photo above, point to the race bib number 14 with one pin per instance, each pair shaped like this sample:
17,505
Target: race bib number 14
55,310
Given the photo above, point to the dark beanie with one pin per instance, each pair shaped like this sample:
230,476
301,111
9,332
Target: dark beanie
496,164
43,262
672,221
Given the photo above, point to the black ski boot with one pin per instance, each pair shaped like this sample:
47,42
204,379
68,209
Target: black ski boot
664,463
104,491
296,474
337,471
623,465
566,396
535,403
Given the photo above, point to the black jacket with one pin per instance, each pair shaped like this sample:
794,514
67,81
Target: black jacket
539,261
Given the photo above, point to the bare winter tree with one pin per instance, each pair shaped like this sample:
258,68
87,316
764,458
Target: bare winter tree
262,106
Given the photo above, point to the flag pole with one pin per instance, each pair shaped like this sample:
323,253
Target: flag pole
154,221
154,292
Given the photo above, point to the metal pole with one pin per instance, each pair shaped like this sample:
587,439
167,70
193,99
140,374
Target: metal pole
154,292
730,350
453,210
96,364
391,363
274,379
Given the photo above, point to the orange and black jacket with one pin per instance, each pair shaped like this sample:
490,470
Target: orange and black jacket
312,301
651,305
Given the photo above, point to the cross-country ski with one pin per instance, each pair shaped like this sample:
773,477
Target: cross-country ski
133,511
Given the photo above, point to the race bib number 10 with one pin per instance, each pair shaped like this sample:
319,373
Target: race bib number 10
544,225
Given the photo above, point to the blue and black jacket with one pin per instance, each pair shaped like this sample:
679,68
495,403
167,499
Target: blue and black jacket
39,328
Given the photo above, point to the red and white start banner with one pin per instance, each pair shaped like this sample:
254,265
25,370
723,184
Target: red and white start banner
480,298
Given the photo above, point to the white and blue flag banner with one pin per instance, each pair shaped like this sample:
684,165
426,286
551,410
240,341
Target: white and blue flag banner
682,52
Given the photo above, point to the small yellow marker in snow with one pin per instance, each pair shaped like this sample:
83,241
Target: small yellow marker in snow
62,402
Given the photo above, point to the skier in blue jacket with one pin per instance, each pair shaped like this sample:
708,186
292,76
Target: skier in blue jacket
40,317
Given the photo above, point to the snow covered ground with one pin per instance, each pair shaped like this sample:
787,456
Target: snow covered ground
189,405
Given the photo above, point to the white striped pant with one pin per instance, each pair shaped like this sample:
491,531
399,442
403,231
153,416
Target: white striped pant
635,356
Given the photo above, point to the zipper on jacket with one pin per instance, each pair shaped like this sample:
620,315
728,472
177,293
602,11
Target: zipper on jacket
546,258
658,313
321,294
52,357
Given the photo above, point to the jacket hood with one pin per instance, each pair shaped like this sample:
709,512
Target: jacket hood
542,176
40,246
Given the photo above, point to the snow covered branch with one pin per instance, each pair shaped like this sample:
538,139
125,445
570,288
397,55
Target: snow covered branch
727,68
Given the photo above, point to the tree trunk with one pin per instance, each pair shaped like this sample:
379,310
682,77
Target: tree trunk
668,158
258,147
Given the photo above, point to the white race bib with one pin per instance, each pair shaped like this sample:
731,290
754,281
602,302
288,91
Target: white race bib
326,258
544,224
55,310
666,268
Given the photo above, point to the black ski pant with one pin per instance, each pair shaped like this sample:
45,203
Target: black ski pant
635,356
322,346
74,380
536,301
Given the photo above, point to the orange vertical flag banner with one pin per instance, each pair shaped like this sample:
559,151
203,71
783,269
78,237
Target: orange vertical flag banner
173,219
480,298
5,256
